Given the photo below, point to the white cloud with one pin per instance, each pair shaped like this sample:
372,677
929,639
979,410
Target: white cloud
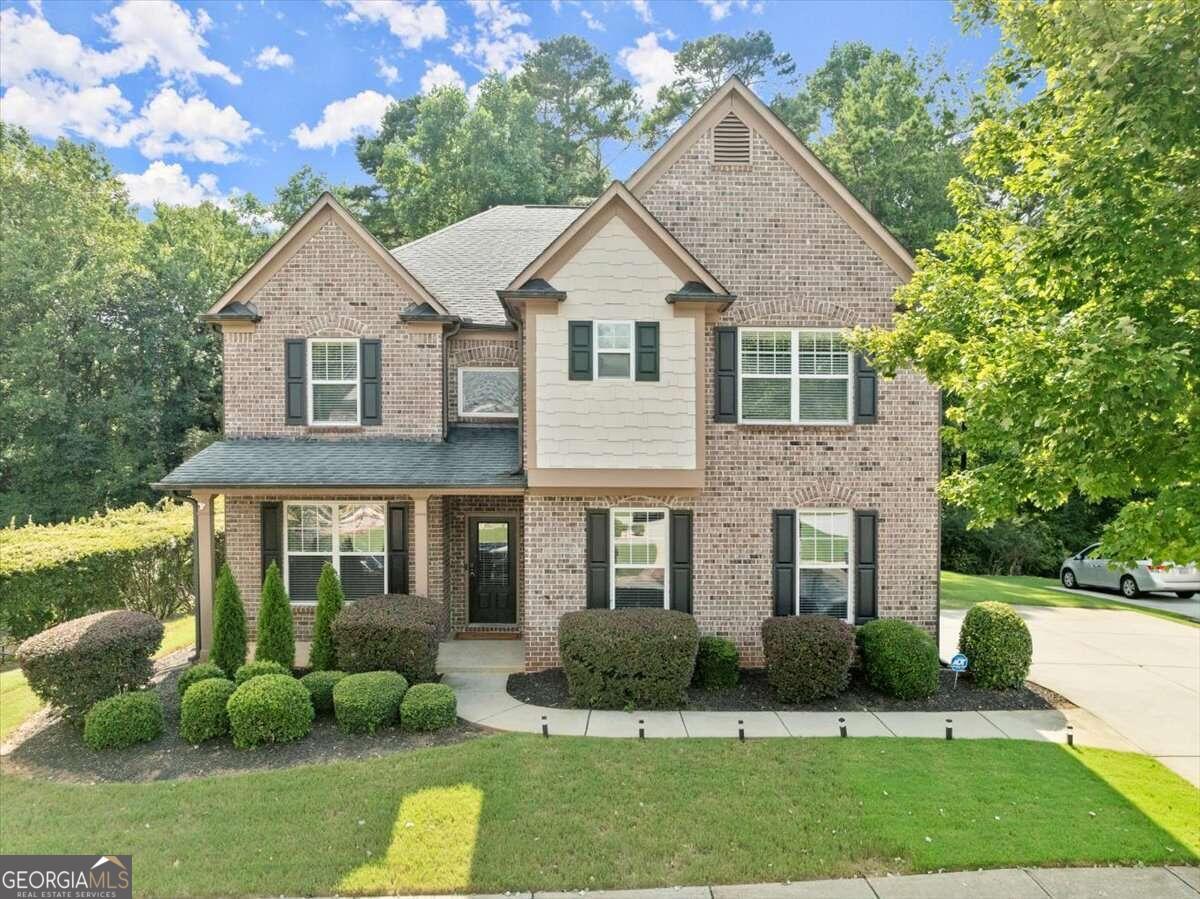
719,9
650,64
591,21
343,120
496,45
441,75
556,5
273,58
386,71
642,8
413,23
168,183
51,109
195,128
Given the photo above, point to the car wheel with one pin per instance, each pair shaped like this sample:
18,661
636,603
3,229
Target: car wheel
1129,587
1068,579
1186,594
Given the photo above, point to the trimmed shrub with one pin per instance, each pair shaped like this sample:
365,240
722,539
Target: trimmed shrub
899,658
320,686
997,644
123,720
229,625
388,633
75,665
272,708
258,669
365,702
716,664
623,658
276,639
428,707
808,656
197,673
323,655
202,712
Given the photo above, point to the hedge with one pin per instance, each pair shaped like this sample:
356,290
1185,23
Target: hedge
899,658
997,645
320,686
202,713
392,632
273,708
808,656
124,720
716,664
365,702
428,707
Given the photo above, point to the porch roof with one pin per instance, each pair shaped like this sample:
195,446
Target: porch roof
469,457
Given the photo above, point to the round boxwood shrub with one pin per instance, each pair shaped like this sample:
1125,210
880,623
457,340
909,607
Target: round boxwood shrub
623,658
270,708
76,664
202,712
387,633
123,720
197,673
258,669
899,658
716,664
997,644
320,686
365,702
428,707
808,656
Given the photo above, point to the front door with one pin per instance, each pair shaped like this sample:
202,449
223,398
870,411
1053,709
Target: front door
491,571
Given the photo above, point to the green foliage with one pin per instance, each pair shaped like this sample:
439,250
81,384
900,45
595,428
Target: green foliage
365,702
428,707
716,664
123,720
75,665
323,654
320,686
202,712
628,658
899,658
808,656
197,673
388,633
997,644
276,640
229,624
272,708
258,668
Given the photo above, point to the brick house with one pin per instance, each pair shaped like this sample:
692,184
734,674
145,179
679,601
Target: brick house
644,402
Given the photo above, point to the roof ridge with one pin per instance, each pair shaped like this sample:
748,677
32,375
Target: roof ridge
411,243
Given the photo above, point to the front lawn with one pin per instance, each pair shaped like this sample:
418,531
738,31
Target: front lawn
519,812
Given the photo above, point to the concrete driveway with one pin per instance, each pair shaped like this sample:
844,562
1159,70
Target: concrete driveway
1139,674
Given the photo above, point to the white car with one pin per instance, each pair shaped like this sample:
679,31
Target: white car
1086,569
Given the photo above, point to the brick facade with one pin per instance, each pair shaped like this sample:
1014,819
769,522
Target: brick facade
458,510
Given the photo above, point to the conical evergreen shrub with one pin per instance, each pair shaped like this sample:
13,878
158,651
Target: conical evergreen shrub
276,640
228,651
323,656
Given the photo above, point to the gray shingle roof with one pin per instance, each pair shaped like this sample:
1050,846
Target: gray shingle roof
471,457
464,264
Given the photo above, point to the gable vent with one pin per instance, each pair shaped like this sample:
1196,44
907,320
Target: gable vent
731,141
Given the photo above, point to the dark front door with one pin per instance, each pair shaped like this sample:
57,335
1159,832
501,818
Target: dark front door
492,571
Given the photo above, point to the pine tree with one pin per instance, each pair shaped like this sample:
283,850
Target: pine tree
329,602
276,641
229,625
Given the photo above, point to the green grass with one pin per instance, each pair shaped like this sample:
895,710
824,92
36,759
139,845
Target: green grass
519,812
17,701
961,591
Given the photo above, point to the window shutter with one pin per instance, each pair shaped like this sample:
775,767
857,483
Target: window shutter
866,532
681,561
647,351
579,351
371,381
295,373
725,368
783,560
597,558
397,548
272,536
864,391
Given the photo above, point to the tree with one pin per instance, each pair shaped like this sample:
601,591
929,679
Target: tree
1061,314
304,187
702,66
276,640
323,654
228,651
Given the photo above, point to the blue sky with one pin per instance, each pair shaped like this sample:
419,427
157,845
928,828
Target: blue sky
194,101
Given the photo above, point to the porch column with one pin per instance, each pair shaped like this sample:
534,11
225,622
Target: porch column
420,565
204,553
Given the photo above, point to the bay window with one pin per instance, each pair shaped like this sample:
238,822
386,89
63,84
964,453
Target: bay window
793,376
349,536
639,558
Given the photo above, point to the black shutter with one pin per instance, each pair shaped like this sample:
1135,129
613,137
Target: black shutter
371,378
783,560
725,369
397,548
272,536
647,351
866,534
295,374
579,351
681,561
864,391
597,558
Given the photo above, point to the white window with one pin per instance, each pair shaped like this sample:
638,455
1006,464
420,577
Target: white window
352,537
823,562
639,559
793,376
613,343
333,382
488,392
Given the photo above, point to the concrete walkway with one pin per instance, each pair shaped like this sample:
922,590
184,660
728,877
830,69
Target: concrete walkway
1164,602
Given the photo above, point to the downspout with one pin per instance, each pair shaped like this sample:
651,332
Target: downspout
446,335
195,563
519,322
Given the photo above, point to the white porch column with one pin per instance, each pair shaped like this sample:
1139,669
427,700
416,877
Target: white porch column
204,553
420,564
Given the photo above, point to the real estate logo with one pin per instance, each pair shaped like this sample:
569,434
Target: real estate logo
66,877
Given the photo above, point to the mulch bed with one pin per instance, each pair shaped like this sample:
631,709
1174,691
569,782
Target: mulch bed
47,748
753,694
